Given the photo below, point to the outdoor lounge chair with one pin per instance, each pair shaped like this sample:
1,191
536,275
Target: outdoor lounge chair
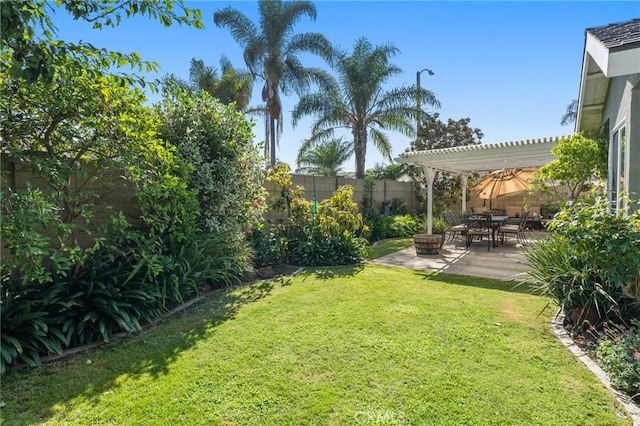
478,225
517,230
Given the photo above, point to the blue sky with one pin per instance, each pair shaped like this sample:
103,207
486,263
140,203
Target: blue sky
512,67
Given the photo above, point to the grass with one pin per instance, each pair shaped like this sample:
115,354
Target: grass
334,346
391,245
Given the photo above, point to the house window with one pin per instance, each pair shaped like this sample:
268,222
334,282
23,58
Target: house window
617,167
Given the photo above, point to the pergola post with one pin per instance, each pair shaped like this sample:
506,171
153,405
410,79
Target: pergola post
463,178
430,175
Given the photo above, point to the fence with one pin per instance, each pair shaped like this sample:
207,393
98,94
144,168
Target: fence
323,187
114,191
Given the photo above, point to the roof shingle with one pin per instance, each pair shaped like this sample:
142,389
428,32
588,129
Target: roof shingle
619,36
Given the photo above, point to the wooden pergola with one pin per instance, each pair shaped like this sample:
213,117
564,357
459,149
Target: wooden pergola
483,158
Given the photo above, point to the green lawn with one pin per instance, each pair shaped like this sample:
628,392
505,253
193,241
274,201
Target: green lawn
336,346
390,245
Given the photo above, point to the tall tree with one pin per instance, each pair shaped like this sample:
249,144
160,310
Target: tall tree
436,134
326,158
271,50
360,103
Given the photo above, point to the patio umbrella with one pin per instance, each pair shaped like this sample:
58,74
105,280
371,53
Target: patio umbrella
503,182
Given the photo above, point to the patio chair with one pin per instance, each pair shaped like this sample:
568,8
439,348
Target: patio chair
517,230
478,225
479,209
456,226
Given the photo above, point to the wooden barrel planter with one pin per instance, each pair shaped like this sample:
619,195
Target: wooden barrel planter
427,244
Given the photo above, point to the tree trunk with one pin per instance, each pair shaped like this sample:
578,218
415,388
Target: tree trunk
273,141
360,141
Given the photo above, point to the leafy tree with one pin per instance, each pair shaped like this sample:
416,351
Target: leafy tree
30,50
326,158
70,136
579,162
271,51
360,103
435,134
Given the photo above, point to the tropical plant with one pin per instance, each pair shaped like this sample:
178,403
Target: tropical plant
231,86
326,158
589,263
367,198
393,171
271,51
360,104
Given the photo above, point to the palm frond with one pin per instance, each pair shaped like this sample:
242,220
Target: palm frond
381,142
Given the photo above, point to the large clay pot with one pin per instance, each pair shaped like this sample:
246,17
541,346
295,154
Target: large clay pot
427,243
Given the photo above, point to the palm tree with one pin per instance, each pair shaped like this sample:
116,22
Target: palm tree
571,114
361,105
232,86
393,171
271,52
325,158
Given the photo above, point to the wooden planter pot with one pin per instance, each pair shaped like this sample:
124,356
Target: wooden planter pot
428,244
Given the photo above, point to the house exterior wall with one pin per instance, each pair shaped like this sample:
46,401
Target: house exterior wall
622,107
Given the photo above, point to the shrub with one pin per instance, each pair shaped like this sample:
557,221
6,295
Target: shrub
328,237
317,247
227,168
619,356
589,264
331,236
382,227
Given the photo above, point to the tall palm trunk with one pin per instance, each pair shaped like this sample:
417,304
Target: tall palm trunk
360,139
272,141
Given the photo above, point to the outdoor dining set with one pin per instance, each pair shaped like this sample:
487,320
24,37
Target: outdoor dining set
494,226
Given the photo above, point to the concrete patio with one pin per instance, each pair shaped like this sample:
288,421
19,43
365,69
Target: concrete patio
505,262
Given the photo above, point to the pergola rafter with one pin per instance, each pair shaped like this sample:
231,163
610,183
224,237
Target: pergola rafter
483,158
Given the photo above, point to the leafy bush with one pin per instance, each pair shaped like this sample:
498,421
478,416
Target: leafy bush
270,243
227,170
317,247
590,262
619,356
331,237
328,237
383,227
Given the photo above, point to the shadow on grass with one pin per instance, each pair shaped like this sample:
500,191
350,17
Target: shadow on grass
469,281
330,272
151,352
